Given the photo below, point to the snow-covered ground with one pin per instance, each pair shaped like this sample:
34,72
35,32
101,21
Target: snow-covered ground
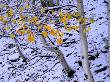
48,69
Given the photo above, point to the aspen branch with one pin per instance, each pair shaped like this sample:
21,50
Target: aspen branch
59,55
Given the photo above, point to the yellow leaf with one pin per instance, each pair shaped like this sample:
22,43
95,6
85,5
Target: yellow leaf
70,16
22,17
53,12
44,33
61,34
59,41
7,28
47,27
1,18
27,6
92,20
21,9
4,21
12,35
84,31
89,28
10,12
39,28
53,32
34,20
14,21
28,31
77,27
20,32
68,28
72,27
31,37
61,14
76,14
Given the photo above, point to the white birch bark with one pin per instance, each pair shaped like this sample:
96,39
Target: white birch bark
59,55
108,12
84,44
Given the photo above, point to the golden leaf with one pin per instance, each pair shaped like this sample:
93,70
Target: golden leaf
59,41
77,27
47,27
10,12
44,33
53,32
21,32
31,37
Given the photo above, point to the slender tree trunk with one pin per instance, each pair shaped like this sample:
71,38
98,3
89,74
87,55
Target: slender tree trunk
59,55
108,12
20,52
84,44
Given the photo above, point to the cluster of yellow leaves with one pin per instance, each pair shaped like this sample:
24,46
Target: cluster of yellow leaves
22,30
54,32
63,17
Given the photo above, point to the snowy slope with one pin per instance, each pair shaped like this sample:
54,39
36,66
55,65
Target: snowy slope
48,69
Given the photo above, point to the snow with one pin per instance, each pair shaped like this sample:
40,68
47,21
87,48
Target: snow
38,68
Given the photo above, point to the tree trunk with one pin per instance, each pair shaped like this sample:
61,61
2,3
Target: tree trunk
108,12
20,52
59,55
84,44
